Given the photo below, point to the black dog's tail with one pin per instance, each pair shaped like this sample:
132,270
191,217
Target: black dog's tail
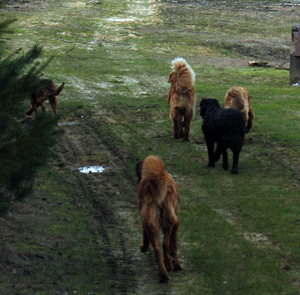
138,170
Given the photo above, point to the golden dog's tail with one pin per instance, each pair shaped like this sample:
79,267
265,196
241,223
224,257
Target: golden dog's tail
152,189
153,185
234,98
185,74
154,173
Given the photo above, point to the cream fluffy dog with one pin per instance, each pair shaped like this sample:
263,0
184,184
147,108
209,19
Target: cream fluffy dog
240,99
182,97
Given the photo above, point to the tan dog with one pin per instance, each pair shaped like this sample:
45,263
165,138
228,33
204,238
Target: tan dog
182,97
240,99
49,92
158,201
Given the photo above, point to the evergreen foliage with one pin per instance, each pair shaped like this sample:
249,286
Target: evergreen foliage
24,146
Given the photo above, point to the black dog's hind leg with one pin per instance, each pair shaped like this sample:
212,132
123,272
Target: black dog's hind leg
217,154
225,159
210,149
234,169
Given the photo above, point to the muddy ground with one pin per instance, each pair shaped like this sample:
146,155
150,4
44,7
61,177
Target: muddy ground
116,229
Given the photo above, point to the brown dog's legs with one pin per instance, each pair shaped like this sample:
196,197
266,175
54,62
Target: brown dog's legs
53,102
177,124
153,237
29,113
33,108
173,247
175,129
43,108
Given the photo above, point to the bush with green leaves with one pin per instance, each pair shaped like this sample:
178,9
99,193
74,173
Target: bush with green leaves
24,146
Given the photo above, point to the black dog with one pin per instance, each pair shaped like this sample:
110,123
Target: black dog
226,127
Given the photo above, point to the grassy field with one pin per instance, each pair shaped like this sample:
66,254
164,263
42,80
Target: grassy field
80,234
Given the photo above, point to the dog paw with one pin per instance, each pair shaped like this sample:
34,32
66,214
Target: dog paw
177,265
234,171
144,248
163,276
225,167
211,165
217,157
169,263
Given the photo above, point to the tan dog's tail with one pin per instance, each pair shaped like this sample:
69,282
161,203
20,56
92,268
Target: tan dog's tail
235,99
185,74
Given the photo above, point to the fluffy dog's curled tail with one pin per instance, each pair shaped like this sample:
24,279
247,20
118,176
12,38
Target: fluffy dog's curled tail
235,99
185,74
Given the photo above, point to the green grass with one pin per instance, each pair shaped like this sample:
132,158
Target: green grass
125,79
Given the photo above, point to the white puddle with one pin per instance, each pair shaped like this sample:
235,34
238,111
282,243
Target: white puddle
92,169
121,20
67,123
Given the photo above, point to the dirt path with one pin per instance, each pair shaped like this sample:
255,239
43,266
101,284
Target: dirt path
110,202
114,197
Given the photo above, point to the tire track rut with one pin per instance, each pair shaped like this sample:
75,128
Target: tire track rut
114,202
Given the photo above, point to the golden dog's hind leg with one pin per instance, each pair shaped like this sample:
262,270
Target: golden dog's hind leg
145,245
173,247
168,260
162,271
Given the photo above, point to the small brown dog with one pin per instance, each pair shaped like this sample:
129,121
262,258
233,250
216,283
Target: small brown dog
240,99
182,97
158,201
49,92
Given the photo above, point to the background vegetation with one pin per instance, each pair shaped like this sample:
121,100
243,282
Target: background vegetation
24,148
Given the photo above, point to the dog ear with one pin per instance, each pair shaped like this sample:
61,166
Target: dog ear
202,107
216,102
138,169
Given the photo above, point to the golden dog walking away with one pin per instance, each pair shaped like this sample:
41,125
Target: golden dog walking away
182,97
49,92
158,201
240,99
